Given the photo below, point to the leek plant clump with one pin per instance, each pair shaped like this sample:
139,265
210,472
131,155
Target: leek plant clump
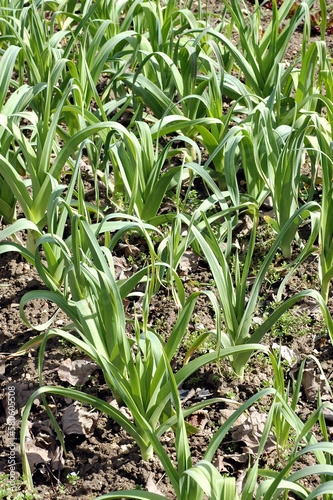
135,368
157,98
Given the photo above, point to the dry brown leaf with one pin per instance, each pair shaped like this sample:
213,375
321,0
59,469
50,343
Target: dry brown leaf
151,485
287,354
167,206
240,483
43,434
78,420
188,395
121,268
123,409
189,262
57,459
76,372
22,394
328,415
36,455
241,458
244,227
199,419
308,306
250,433
42,446
226,413
139,307
253,425
129,250
218,463
312,382
234,461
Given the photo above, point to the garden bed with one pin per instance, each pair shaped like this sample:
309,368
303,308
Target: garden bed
102,457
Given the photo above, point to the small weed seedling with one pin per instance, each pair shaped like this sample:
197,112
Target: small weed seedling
16,491
73,478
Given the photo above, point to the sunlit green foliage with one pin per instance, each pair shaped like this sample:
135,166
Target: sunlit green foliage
162,102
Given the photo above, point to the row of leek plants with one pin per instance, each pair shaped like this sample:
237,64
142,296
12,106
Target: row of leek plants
279,148
137,368
198,63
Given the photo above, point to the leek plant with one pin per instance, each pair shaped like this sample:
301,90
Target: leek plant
271,149
135,160
138,171
280,419
40,50
189,88
282,426
188,481
44,175
137,163
327,80
36,162
208,131
224,220
112,12
162,25
278,483
56,219
319,148
97,55
9,8
278,156
323,152
237,302
194,76
277,130
11,109
261,54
